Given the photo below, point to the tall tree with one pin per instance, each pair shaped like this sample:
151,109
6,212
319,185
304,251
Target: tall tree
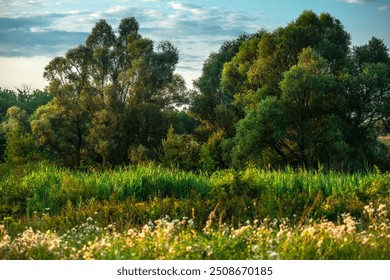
307,98
111,93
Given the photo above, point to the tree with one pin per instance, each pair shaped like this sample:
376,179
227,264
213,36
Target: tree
69,110
308,98
302,126
27,101
366,83
20,145
61,138
180,151
110,94
257,69
212,105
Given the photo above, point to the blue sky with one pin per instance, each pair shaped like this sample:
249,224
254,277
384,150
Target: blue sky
33,32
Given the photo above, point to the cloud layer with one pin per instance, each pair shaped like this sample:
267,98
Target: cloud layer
32,28
383,5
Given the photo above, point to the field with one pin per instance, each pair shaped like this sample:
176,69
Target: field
149,212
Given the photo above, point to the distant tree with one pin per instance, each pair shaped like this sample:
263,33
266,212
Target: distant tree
26,100
8,98
20,145
181,121
180,151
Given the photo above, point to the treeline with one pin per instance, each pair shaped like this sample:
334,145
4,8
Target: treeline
300,96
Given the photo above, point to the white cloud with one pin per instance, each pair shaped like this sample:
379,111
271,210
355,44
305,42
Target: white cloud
37,29
116,9
354,1
194,29
383,8
74,12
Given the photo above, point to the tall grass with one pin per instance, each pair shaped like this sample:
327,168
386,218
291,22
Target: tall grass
154,192
50,187
53,202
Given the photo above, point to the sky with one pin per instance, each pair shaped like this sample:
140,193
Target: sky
34,32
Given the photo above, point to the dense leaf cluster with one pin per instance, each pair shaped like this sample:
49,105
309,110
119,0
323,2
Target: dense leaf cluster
300,96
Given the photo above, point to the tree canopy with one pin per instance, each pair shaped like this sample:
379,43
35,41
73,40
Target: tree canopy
300,95
304,96
109,95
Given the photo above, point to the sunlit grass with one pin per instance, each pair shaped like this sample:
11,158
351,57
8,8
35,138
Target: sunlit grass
164,238
148,212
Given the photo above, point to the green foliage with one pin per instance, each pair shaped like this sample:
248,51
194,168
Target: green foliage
20,144
211,103
247,194
211,152
289,109
180,151
109,96
327,101
16,122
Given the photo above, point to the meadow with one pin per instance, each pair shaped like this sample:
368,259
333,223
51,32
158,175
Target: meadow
151,212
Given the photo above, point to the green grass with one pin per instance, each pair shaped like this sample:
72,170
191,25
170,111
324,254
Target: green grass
59,204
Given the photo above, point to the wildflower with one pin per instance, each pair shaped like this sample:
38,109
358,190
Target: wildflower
209,250
369,209
151,224
382,211
242,230
273,255
255,248
89,219
309,231
349,223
